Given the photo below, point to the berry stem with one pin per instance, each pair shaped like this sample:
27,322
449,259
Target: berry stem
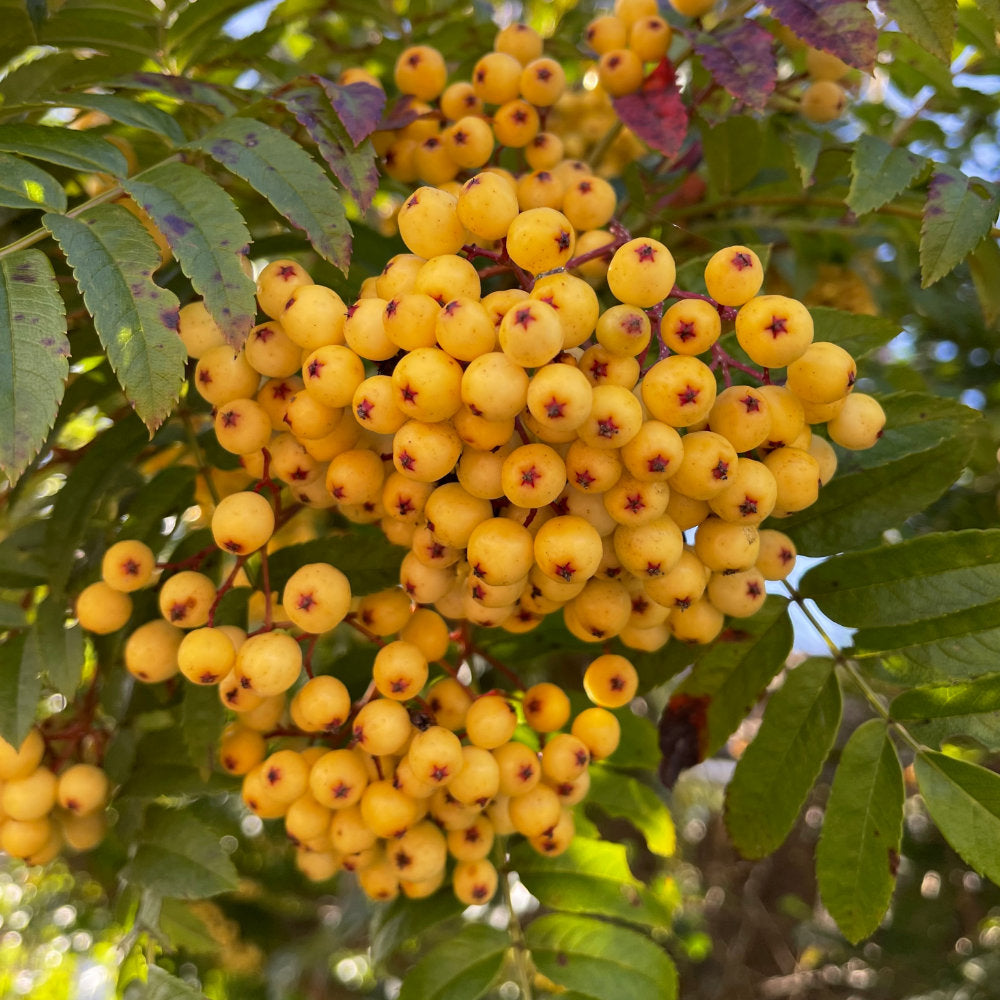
224,588
520,954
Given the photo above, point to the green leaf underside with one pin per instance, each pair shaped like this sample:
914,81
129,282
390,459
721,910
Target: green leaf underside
23,185
202,719
926,444
930,23
590,876
57,651
178,855
600,960
784,759
208,237
34,357
924,578
288,177
461,968
136,114
963,799
735,671
66,147
958,213
879,172
624,797
935,701
113,259
18,694
856,333
859,847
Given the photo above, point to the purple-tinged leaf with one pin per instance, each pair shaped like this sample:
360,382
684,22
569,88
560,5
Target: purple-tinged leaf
656,113
310,100
844,27
742,61
958,214
400,113
360,106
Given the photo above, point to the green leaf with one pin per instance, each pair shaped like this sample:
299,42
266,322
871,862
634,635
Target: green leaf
856,333
858,850
113,259
784,759
19,690
936,701
161,985
736,668
19,32
181,89
80,151
198,25
208,238
930,23
379,568
54,650
984,263
178,855
590,876
964,801
34,356
806,147
879,172
185,929
137,114
288,177
22,557
733,150
115,30
624,797
202,719
958,213
928,577
600,960
405,920
23,185
926,444
461,968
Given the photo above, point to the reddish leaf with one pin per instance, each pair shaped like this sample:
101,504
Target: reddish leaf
310,100
844,27
360,107
682,735
656,113
400,114
741,60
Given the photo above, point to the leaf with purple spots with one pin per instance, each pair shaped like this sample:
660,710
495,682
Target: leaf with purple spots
113,259
959,212
34,363
312,102
278,168
742,61
844,27
656,113
207,235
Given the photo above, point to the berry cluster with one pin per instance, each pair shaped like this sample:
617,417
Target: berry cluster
529,406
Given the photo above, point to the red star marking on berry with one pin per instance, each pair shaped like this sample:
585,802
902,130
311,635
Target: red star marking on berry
435,550
230,418
658,463
562,240
632,325
204,376
685,332
639,606
786,556
440,772
750,403
337,492
264,334
404,506
778,325
478,592
566,571
452,307
645,252
390,309
741,261
584,480
520,116
480,75
315,367
607,428
654,569
682,603
431,142
364,409
341,790
523,317
305,602
753,589
584,187
130,567
471,835
617,683
409,393
413,202
748,507
721,470
179,611
352,309
298,474
406,460
282,390
232,546
634,504
413,59
207,677
528,476
287,271
554,409
599,370
689,394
